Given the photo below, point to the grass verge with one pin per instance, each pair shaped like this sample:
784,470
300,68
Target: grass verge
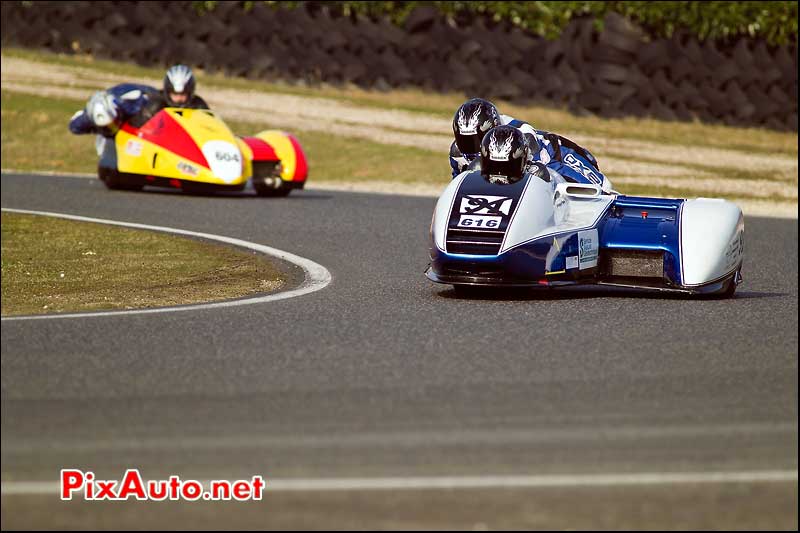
35,137
344,155
549,117
31,123
54,265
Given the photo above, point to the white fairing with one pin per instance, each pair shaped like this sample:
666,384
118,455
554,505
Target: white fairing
544,209
442,213
535,211
224,159
542,212
712,236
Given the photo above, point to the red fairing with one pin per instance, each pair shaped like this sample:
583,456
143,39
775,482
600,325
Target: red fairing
261,150
164,131
301,166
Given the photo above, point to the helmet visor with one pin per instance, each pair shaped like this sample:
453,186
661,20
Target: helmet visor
469,144
511,170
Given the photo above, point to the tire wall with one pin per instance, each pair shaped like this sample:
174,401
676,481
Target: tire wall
614,73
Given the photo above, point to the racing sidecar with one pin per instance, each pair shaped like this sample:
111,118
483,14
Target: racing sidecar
193,150
545,232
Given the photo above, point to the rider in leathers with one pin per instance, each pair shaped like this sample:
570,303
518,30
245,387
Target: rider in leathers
477,116
134,103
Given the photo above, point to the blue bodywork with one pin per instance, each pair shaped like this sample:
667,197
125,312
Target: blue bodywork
628,228
629,224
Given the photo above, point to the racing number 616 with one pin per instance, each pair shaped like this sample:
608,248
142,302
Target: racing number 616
479,222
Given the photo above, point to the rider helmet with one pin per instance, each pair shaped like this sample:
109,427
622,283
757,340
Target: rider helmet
504,155
102,109
471,122
179,86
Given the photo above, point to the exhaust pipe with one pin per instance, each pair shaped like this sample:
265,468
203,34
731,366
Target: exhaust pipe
272,182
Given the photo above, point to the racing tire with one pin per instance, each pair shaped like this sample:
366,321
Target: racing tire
727,288
473,291
120,182
487,292
271,192
267,180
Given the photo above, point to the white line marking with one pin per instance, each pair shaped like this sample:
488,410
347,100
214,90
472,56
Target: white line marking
48,174
316,276
405,439
32,488
751,207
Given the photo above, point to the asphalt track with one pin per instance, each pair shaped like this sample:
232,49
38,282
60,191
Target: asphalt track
383,375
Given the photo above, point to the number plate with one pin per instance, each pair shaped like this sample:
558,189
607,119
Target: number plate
479,222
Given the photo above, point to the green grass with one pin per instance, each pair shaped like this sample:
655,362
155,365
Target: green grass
410,99
56,265
770,175
334,157
103,266
756,140
35,137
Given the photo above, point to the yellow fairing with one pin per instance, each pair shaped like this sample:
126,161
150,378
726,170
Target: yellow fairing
192,145
247,152
284,150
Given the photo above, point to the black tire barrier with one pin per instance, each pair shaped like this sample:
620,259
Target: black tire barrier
617,72
421,19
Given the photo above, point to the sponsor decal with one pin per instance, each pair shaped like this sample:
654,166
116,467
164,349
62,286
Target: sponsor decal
133,148
186,168
588,249
479,211
572,261
578,166
734,251
475,204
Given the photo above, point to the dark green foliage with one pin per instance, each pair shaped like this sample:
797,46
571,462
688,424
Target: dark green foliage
774,21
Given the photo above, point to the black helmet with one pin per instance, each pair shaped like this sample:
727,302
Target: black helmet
471,122
179,80
504,155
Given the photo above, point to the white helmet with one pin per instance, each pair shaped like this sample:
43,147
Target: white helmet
102,109
179,79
